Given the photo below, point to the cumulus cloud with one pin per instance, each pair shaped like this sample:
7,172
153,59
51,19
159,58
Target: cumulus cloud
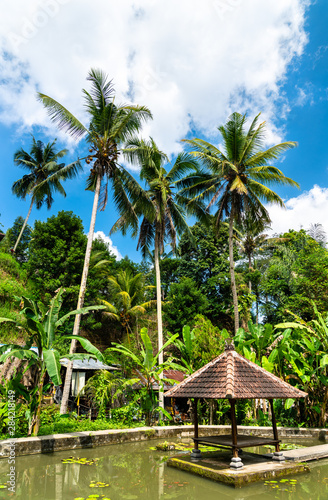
112,248
191,62
310,207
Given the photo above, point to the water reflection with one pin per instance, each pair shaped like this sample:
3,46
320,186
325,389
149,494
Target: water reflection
134,472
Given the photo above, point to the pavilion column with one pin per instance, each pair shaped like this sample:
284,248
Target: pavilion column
278,455
195,454
236,462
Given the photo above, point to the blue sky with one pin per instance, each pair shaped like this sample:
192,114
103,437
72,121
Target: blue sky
192,63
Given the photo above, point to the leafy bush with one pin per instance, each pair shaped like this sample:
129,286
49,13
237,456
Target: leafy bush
125,415
10,288
65,423
10,265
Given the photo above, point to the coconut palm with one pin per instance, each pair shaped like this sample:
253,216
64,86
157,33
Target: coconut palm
164,218
110,125
317,232
235,179
128,299
44,177
251,239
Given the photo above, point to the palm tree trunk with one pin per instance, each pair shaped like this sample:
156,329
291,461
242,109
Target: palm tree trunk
249,268
159,313
232,274
23,226
80,302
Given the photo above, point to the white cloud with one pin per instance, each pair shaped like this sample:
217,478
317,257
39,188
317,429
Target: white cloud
109,243
192,62
310,207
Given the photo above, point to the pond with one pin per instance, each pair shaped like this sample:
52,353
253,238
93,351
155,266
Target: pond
134,472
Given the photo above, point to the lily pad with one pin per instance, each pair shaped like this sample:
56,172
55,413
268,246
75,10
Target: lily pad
81,461
98,484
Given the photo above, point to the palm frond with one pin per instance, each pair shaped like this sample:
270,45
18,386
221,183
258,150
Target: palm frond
102,89
63,118
273,153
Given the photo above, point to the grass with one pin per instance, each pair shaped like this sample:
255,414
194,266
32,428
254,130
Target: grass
12,283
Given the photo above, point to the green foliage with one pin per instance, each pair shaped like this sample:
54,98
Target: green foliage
128,300
208,341
185,347
185,301
147,369
9,265
255,340
42,323
57,255
12,282
63,424
9,288
12,234
10,391
309,362
205,259
101,387
51,422
295,275
126,414
56,259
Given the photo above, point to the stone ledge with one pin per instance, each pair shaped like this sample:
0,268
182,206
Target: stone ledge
91,439
254,471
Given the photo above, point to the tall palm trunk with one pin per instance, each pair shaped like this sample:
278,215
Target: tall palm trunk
159,313
80,302
232,273
249,269
23,226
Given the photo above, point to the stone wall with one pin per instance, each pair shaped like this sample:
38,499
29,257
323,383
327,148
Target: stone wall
75,440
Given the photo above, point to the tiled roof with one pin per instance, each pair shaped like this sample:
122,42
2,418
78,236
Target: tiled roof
235,377
167,374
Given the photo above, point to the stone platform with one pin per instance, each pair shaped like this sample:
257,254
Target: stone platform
215,466
307,454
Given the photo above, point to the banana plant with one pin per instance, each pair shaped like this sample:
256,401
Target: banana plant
185,347
310,362
41,324
149,370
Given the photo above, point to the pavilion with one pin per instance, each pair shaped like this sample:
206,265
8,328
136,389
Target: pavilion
233,377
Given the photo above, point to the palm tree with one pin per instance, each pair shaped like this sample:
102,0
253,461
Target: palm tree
110,126
236,178
251,239
44,177
317,232
128,299
164,216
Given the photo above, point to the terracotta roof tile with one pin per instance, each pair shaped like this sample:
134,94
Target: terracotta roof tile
233,376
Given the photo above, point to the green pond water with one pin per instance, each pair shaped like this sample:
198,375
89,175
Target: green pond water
134,472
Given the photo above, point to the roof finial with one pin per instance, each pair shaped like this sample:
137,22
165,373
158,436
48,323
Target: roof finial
229,345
